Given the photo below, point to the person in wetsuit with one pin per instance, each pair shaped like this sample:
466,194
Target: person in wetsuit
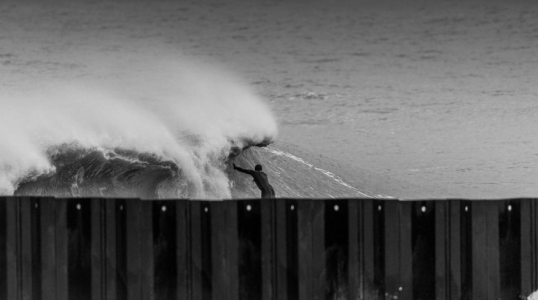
260,178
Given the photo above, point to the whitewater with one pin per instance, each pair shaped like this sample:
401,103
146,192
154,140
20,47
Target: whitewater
165,131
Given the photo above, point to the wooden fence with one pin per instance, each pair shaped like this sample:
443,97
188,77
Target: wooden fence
58,249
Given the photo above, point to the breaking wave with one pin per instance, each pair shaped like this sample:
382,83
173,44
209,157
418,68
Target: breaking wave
163,129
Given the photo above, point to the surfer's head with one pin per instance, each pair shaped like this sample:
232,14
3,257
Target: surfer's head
258,167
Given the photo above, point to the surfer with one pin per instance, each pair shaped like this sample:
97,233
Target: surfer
260,178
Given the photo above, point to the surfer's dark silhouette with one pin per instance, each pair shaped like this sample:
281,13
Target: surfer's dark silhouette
260,178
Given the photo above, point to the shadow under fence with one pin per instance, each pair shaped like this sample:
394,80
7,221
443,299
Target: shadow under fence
285,249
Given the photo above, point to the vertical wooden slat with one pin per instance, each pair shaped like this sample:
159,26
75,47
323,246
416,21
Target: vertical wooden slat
48,250
405,287
97,257
441,250
26,248
526,247
3,246
196,250
392,249
318,250
268,250
304,211
62,288
13,248
368,250
146,250
455,249
231,271
134,259
535,244
281,262
183,249
354,243
479,251
492,220
218,242
110,249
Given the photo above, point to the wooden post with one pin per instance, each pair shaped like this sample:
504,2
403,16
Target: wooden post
224,250
392,249
368,289
13,248
26,248
3,247
354,273
110,241
232,250
97,258
48,248
281,258
318,250
480,253
146,250
62,241
134,259
196,250
405,287
454,256
218,246
442,243
183,246
268,249
526,246
494,276
306,278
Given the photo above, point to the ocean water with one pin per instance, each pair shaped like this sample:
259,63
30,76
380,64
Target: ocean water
410,100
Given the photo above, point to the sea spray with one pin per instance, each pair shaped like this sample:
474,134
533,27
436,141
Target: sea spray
174,110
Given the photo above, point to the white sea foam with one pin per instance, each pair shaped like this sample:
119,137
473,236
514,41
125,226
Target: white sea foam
181,110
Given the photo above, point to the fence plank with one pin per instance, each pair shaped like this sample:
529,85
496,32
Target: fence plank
196,250
97,258
281,262
306,278
231,271
48,246
318,249
479,251
354,274
13,248
455,249
441,250
26,248
268,250
369,290
392,249
493,263
147,273
3,251
111,266
218,242
62,242
183,256
134,259
535,243
406,251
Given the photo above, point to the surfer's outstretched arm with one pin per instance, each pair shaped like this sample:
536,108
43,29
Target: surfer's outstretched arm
249,172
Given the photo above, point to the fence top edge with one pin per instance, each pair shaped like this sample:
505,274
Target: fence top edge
277,199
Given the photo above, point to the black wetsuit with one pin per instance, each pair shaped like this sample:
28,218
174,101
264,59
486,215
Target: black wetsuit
260,178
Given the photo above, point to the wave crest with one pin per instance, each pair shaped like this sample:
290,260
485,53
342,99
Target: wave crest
166,126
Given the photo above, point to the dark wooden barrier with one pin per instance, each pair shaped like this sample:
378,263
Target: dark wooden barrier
281,249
